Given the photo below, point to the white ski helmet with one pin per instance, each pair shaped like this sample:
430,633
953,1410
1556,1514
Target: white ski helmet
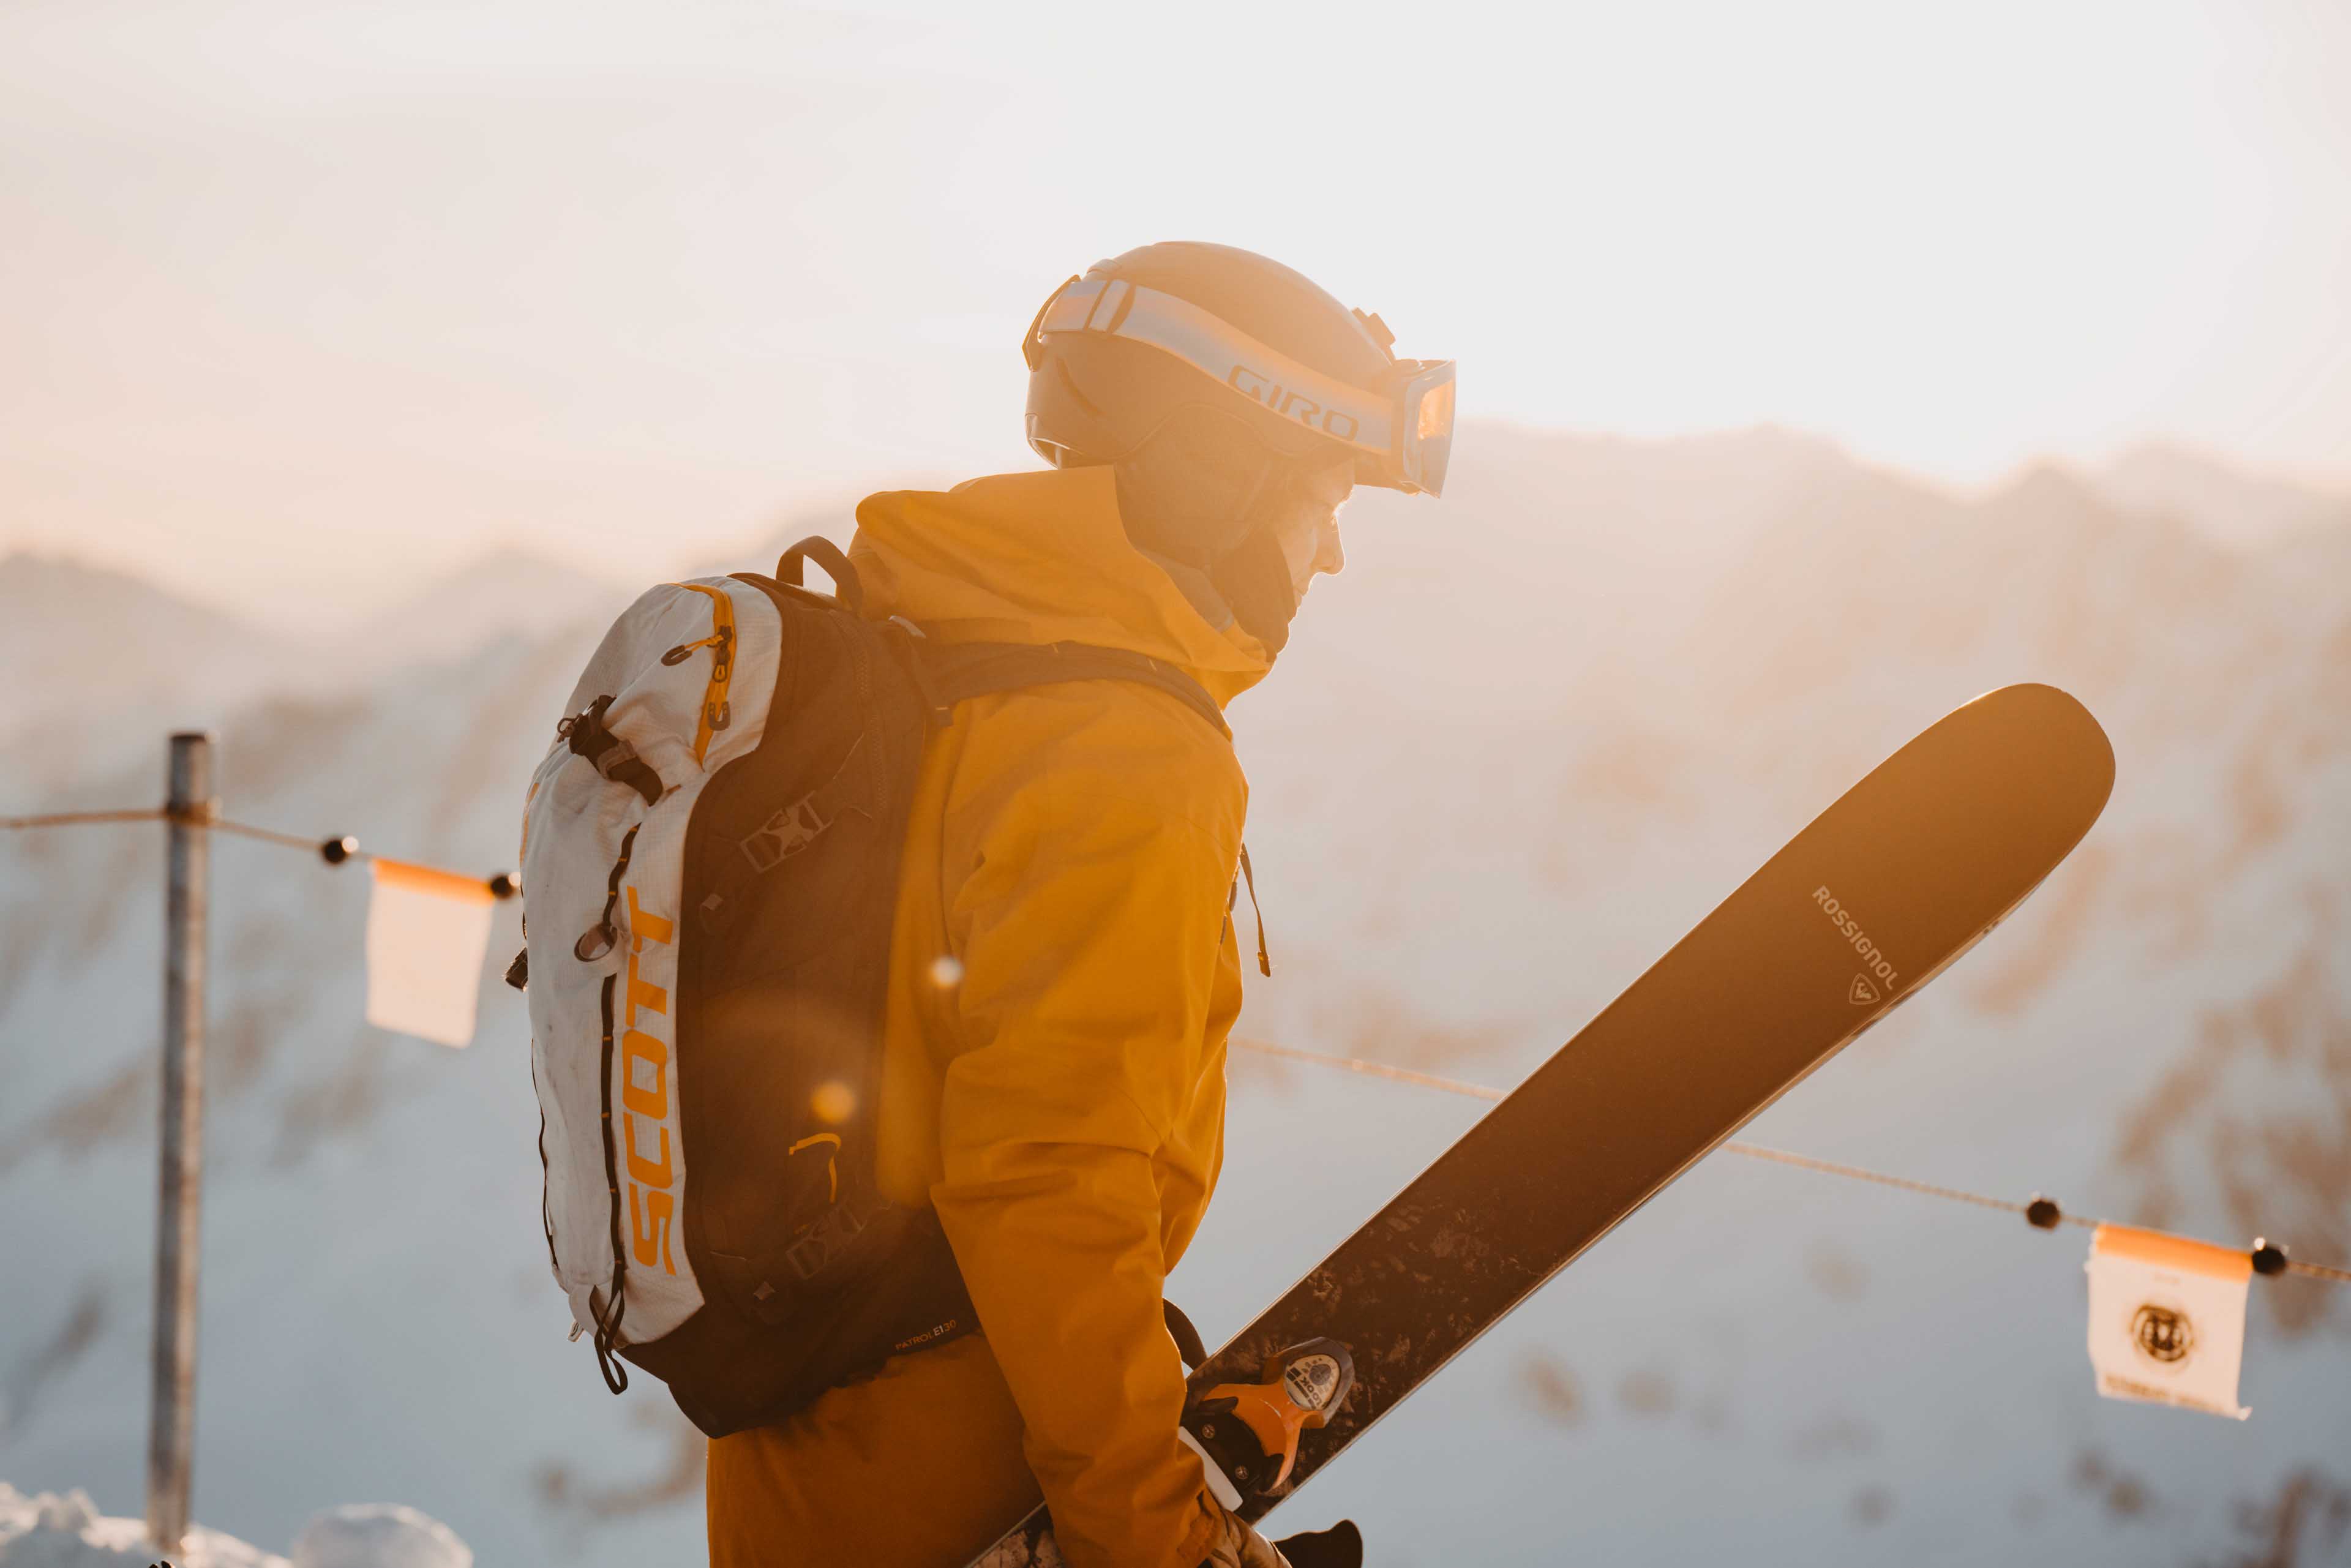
1183,326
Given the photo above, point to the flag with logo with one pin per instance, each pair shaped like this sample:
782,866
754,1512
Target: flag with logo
2168,1319
427,932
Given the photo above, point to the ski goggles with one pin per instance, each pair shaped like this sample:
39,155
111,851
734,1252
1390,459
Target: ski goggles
1402,435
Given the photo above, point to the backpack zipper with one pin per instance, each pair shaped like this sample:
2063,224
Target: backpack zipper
716,713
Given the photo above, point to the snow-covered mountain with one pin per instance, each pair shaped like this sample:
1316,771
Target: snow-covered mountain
2225,504
88,649
1533,734
99,659
505,593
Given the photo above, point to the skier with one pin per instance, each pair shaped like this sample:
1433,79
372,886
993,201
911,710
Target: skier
1065,967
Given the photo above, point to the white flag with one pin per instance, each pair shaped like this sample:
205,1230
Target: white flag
427,931
2168,1319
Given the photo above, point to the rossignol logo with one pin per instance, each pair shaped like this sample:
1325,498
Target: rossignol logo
1861,992
645,1097
1290,406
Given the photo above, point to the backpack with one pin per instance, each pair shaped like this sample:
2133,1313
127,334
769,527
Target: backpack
710,874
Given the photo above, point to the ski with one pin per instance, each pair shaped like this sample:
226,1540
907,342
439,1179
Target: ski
1906,872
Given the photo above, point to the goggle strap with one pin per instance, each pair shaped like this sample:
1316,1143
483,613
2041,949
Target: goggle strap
1117,307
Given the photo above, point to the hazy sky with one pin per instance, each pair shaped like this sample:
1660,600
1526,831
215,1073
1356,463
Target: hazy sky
300,301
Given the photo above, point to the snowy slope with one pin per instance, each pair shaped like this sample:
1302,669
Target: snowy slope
50,1531
68,1531
1533,734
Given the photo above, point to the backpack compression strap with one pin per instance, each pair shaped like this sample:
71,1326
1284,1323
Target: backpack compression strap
957,672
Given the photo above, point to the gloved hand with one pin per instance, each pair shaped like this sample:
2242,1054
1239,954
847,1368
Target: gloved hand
1238,1547
1341,1546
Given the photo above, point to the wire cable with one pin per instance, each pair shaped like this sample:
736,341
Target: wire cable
1750,1151
334,851
78,819
339,850
272,836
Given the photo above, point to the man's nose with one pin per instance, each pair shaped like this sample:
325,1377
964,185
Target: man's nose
1330,555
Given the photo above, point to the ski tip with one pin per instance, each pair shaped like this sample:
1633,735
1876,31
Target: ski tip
2058,726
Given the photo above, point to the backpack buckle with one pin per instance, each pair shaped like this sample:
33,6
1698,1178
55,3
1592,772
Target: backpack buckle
784,835
795,827
841,1224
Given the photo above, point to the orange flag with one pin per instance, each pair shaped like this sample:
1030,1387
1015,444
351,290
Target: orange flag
2168,1319
427,931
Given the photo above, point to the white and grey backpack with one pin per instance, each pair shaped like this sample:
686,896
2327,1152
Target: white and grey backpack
709,869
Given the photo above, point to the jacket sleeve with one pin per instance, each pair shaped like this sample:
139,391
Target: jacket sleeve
1089,925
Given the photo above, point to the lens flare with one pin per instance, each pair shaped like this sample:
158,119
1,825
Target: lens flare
833,1102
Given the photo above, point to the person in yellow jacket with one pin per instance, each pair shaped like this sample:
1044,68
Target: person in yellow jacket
1054,1086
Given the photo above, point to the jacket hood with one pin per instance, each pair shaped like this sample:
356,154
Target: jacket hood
1039,557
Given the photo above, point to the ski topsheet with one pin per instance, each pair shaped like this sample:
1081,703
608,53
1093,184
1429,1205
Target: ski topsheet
1905,872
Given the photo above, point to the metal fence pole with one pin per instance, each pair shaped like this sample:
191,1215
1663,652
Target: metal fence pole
170,1431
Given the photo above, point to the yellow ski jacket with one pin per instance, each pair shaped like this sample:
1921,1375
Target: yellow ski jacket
1063,977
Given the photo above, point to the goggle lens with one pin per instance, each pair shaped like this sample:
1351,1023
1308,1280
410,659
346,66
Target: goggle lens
1430,450
1437,413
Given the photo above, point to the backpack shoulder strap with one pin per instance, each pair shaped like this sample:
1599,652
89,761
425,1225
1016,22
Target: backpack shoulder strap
957,672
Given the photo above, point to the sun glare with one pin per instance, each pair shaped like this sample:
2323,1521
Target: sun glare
626,281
